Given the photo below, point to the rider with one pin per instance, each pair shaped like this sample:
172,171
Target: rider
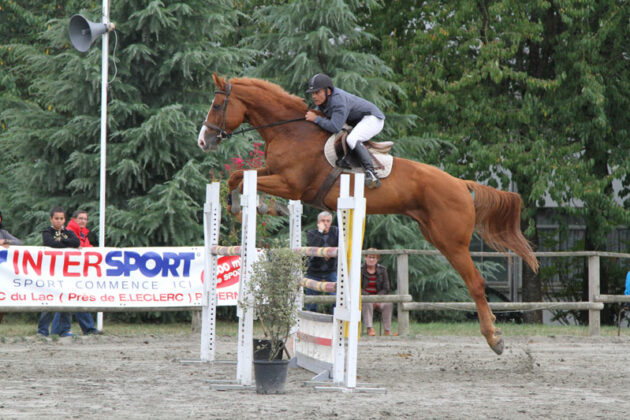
339,107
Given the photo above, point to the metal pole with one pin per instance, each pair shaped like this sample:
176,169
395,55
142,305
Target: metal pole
104,82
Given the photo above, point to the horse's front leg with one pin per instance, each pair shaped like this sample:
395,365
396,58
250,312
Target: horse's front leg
236,179
234,185
235,188
277,185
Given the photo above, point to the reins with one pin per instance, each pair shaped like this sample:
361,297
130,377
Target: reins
242,130
222,134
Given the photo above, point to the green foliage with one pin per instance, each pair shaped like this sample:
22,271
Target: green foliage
525,95
526,92
160,85
273,291
301,38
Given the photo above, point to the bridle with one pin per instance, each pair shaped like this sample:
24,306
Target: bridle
222,134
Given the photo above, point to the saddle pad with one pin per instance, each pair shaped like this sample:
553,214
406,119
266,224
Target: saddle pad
386,161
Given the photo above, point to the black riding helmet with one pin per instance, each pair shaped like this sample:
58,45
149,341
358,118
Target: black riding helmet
319,81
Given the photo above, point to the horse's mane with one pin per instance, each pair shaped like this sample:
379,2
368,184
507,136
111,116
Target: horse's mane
272,93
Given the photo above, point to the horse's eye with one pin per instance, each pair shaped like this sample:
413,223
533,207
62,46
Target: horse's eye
215,106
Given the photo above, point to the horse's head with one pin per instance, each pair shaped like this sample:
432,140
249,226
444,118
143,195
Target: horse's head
222,119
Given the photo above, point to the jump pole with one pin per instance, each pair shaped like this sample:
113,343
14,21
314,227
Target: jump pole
245,357
295,242
342,365
211,226
247,252
351,216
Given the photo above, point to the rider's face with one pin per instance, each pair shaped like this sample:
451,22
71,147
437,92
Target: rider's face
319,97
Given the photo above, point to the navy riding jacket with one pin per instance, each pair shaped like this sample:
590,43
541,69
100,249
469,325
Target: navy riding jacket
342,107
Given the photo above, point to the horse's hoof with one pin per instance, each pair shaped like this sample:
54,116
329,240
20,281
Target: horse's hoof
281,209
498,346
236,203
263,208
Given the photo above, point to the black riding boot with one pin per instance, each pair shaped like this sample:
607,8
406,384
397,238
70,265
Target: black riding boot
371,180
343,162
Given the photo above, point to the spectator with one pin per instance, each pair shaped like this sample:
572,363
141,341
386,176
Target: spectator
57,236
374,281
78,225
627,292
321,268
6,239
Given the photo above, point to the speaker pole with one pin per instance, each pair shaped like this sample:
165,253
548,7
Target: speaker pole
104,85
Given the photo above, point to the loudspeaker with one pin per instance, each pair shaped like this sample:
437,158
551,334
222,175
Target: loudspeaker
83,33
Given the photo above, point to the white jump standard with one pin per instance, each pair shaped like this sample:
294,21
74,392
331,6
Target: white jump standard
247,252
351,217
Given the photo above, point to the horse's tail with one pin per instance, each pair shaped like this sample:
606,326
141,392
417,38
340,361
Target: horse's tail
498,221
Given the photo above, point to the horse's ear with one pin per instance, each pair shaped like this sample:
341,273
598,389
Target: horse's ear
219,82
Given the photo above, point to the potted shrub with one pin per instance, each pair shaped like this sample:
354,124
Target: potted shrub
274,290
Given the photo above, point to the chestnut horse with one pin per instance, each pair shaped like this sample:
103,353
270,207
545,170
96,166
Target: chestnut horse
446,208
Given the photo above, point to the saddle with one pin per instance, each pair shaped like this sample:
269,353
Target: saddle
337,149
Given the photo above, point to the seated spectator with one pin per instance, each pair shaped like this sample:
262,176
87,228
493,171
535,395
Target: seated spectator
6,239
321,268
374,281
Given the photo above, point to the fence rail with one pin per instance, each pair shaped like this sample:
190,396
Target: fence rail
502,306
594,305
52,308
364,298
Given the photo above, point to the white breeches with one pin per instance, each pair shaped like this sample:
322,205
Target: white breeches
367,128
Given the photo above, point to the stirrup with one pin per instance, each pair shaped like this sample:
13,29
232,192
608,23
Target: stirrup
371,180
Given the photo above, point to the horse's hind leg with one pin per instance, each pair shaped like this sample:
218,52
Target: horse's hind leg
462,262
454,246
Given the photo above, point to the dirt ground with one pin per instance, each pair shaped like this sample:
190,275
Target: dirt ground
425,378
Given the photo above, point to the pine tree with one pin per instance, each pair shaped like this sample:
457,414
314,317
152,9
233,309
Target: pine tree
161,59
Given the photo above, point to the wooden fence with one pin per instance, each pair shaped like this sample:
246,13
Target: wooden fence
594,305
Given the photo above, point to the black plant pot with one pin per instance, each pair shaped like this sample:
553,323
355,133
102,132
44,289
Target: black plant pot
271,376
262,350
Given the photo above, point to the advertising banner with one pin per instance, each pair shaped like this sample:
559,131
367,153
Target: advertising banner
110,277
